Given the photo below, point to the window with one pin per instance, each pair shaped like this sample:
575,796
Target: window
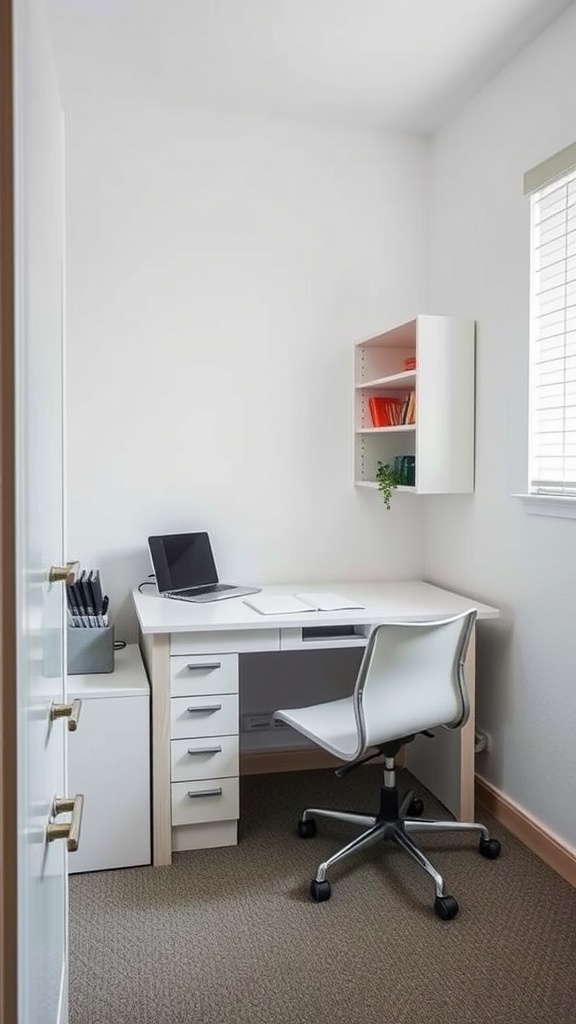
552,440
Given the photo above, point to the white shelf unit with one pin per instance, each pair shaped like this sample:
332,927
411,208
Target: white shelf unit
442,438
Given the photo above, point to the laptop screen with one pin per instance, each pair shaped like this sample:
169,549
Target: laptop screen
182,560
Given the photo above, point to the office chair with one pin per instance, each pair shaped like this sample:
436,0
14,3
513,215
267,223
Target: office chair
411,680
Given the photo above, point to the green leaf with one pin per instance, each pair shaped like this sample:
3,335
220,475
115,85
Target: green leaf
387,479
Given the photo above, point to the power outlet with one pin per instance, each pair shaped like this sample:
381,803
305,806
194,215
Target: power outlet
257,722
482,742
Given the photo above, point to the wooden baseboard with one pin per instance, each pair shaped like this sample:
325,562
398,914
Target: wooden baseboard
553,851
295,759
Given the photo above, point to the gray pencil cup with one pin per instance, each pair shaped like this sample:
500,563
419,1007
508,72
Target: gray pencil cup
90,650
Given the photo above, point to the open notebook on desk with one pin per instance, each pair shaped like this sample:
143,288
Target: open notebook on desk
283,604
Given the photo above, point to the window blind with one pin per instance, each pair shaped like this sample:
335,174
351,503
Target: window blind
552,445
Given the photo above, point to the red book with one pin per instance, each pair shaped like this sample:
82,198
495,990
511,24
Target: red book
384,411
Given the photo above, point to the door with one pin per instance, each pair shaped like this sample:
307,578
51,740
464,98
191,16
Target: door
39,531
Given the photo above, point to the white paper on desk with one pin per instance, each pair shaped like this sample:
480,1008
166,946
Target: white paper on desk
277,604
327,602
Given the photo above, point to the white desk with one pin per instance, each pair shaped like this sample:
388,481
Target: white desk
192,652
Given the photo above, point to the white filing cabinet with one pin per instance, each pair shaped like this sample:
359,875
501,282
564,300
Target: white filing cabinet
109,762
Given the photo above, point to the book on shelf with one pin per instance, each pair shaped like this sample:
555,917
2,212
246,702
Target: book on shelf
384,411
392,412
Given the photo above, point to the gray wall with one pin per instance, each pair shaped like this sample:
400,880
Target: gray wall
487,545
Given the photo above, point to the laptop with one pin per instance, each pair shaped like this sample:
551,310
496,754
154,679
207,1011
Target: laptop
185,569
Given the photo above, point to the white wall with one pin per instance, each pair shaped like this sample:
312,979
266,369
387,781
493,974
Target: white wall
220,271
486,545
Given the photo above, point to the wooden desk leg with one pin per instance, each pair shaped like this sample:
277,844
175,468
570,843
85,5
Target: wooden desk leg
156,653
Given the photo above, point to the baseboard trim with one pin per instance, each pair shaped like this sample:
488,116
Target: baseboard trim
291,759
553,851
295,759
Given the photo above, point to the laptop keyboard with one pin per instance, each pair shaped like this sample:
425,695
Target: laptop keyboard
211,588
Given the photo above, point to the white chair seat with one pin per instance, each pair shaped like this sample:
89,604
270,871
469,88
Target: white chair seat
410,679
332,726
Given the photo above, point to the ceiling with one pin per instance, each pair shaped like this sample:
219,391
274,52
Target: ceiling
402,65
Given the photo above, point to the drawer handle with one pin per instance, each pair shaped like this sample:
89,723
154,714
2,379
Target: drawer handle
206,792
204,665
69,830
205,707
204,750
69,711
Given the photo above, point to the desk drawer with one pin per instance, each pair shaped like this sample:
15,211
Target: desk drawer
314,638
204,758
220,640
204,716
211,800
203,673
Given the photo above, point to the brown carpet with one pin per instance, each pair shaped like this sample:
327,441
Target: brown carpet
231,935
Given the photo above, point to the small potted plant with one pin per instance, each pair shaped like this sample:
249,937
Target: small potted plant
387,479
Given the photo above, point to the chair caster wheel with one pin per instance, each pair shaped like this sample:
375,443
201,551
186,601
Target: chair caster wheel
446,907
320,891
306,828
415,808
489,848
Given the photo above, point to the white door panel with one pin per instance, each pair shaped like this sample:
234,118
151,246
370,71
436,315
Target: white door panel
39,260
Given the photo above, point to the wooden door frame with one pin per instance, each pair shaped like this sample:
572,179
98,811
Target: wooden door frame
8,762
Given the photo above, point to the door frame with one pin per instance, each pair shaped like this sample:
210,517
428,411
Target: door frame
8,789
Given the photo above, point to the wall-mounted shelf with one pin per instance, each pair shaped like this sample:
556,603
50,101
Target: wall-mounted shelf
395,380
442,437
374,486
404,429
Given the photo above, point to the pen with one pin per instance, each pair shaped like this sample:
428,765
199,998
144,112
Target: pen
102,618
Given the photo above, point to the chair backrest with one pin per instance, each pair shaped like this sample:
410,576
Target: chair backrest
412,678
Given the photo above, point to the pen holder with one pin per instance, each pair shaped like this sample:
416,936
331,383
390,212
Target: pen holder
90,650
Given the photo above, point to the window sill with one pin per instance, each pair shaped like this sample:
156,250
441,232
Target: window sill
545,505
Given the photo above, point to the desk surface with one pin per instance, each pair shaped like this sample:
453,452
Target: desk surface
127,680
411,600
